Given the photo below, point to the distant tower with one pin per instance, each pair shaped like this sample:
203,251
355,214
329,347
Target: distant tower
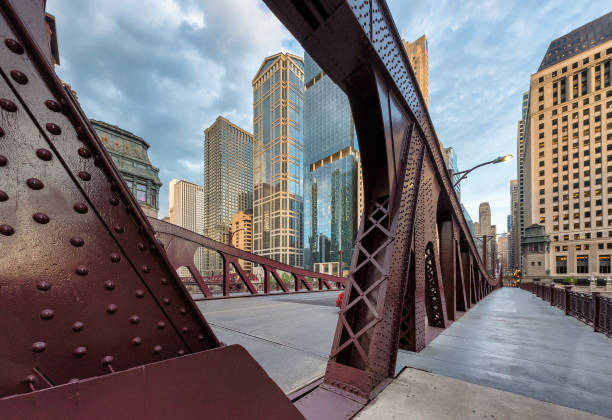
228,181
484,218
419,59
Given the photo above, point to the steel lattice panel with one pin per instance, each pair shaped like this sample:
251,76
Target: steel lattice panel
84,288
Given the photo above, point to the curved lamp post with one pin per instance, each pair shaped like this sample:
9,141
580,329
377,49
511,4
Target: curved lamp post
466,172
231,235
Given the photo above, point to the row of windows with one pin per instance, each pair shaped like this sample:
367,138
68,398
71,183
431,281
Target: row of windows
582,264
585,61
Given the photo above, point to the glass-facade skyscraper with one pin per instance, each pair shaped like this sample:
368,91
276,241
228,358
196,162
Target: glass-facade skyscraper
278,94
331,214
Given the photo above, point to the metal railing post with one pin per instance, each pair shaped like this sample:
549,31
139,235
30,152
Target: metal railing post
596,304
567,298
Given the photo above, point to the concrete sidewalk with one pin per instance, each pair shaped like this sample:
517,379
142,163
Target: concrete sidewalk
516,342
420,395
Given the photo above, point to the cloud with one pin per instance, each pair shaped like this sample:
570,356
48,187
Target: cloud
165,69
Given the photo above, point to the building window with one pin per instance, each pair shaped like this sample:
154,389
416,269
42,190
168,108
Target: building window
604,264
582,264
141,192
562,264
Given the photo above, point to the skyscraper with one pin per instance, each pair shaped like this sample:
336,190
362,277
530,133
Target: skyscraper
331,171
515,239
419,59
484,218
186,210
228,181
278,88
569,150
523,168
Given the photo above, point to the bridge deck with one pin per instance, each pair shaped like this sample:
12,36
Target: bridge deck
511,340
289,335
515,342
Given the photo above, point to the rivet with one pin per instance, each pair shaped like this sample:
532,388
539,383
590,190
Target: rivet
141,246
41,218
43,285
166,301
35,184
185,329
39,347
73,381
161,325
44,154
30,379
134,319
53,106
77,241
114,257
114,201
3,160
181,352
136,341
111,308
200,337
80,351
6,230
47,314
157,349
84,153
53,129
19,77
3,196
164,281
145,269
77,326
14,46
109,285
81,270
80,208
139,293
85,176
8,105
107,360
119,229
183,311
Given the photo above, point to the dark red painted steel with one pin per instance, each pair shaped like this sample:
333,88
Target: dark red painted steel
396,281
205,385
181,244
85,289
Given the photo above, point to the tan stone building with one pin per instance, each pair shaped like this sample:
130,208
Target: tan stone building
568,151
186,208
419,59
242,236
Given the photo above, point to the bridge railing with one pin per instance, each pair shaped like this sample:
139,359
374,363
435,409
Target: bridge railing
263,276
591,308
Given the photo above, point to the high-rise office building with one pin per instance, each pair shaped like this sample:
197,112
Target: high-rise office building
485,229
187,210
331,179
569,150
484,218
278,92
523,167
503,250
130,154
419,59
241,232
228,181
515,240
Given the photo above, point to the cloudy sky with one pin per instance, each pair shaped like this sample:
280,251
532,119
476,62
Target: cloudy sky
165,69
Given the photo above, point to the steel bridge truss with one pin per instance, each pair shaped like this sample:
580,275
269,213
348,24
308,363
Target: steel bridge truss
96,321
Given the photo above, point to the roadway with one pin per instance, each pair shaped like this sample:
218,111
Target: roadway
511,341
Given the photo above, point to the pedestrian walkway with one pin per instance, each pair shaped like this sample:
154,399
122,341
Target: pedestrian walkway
514,341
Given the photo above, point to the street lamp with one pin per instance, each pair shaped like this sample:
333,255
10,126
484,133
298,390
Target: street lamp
464,174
